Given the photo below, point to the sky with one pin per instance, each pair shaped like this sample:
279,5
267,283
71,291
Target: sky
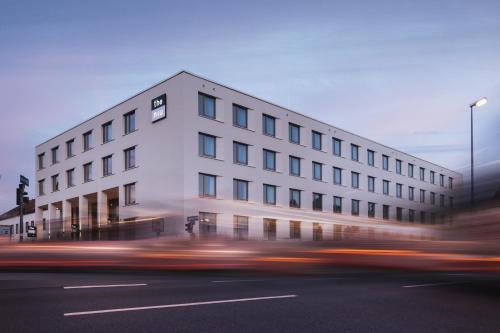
402,73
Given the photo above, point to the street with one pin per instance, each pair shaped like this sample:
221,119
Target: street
346,300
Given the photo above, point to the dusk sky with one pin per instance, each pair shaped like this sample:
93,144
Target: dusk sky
399,72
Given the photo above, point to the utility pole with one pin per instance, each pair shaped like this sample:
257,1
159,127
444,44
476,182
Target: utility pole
20,200
478,103
21,217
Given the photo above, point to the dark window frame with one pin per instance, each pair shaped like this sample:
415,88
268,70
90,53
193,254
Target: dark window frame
202,112
203,192
236,109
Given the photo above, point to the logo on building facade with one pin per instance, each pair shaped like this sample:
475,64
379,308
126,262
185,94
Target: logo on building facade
159,108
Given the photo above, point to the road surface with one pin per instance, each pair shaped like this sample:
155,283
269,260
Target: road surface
344,301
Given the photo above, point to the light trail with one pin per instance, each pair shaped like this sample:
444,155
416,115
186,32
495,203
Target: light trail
107,286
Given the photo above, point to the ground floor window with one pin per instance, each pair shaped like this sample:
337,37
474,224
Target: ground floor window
317,232
208,223
240,227
399,213
270,229
130,194
294,229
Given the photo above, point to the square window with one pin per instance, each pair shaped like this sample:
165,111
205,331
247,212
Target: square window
398,166
269,194
240,189
41,189
129,122
269,158
55,183
411,193
87,141
399,190
268,125
41,158
270,229
55,155
208,224
70,177
337,147
316,140
69,148
294,166
294,229
129,158
206,145
207,185
240,116
107,132
354,207
87,172
337,205
240,225
317,171
385,212
294,133
354,179
206,106
130,194
371,184
371,158
371,209
354,152
411,215
317,201
422,196
410,170
399,213
240,153
337,176
385,162
294,198
107,168
422,174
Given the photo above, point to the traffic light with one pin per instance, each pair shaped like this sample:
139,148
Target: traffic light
189,227
21,195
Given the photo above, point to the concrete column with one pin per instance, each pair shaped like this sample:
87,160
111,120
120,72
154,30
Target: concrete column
306,231
102,208
66,217
52,218
121,202
39,222
83,213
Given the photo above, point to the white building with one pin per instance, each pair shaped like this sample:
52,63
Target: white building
189,146
9,222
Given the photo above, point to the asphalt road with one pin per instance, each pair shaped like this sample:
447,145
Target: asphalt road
343,301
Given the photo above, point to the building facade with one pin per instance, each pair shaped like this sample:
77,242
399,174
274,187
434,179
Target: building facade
248,168
9,222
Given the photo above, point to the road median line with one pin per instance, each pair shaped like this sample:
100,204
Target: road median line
83,313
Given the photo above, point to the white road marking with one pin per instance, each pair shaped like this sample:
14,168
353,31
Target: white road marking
107,286
329,278
230,281
431,284
176,305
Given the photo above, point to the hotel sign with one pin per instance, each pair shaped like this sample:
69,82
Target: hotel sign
159,108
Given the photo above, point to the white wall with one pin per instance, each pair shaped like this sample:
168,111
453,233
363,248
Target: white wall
14,221
168,163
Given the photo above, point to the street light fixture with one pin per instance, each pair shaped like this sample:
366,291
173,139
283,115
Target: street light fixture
478,103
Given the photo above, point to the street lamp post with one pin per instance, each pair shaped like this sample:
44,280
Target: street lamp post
478,103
